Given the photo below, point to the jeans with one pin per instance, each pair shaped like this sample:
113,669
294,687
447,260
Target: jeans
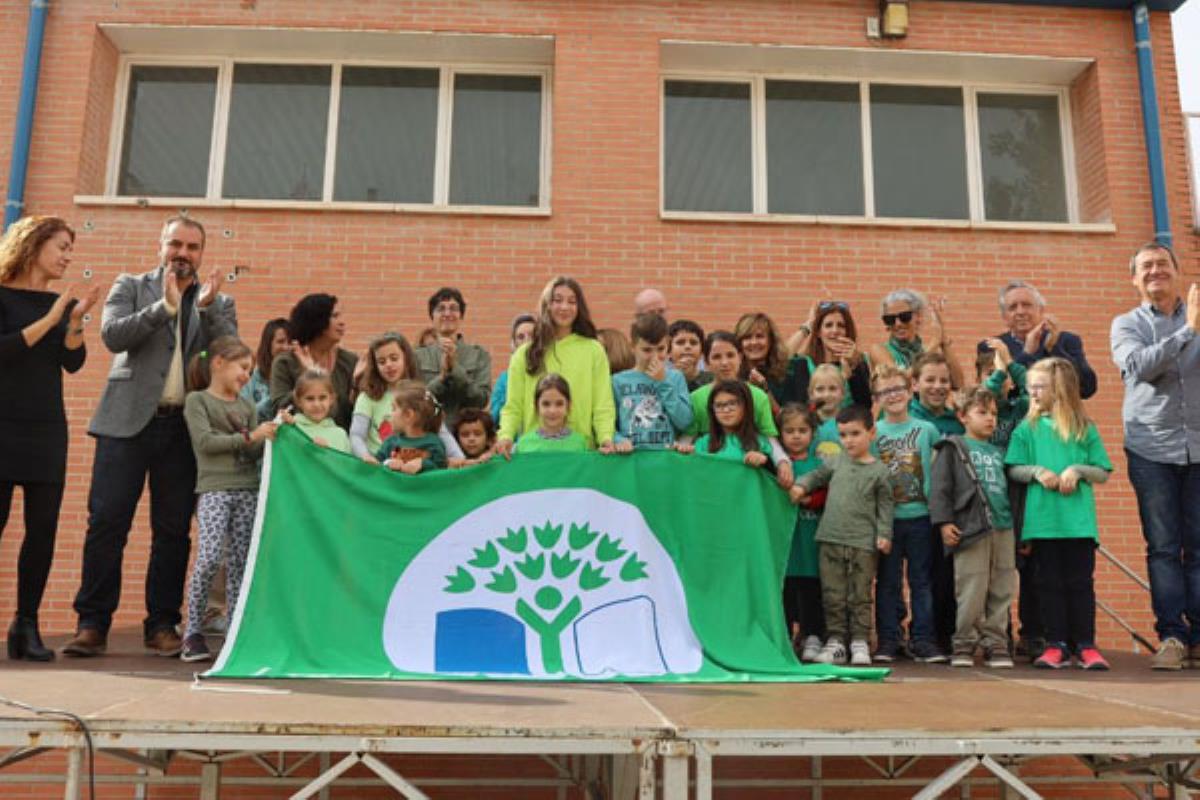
164,450
912,541
1168,498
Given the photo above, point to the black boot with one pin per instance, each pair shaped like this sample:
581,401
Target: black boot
24,641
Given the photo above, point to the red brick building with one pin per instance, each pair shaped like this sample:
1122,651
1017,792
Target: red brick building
743,155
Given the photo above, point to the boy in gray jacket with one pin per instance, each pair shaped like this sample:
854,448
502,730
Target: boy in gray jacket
968,504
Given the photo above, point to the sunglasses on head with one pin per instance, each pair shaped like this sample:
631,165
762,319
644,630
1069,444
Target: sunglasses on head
826,305
904,316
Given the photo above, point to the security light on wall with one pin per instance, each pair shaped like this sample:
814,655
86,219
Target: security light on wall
893,16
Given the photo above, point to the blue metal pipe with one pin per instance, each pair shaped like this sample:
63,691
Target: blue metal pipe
23,134
1154,154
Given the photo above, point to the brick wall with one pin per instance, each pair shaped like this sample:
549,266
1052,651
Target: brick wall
605,227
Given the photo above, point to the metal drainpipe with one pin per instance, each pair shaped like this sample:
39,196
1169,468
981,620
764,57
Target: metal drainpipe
1154,155
15,203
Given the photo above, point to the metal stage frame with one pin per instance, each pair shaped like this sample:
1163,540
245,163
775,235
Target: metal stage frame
1132,729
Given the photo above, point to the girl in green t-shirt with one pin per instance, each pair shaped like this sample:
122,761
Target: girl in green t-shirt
552,400
389,361
1058,452
802,607
732,433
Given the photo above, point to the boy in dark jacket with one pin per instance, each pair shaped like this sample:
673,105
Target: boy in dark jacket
968,504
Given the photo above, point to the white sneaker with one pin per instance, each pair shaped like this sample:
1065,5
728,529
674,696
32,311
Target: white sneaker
812,648
834,652
860,653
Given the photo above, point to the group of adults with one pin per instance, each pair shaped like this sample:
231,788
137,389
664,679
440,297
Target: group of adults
155,321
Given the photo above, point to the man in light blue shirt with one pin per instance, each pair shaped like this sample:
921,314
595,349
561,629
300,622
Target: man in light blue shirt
1157,348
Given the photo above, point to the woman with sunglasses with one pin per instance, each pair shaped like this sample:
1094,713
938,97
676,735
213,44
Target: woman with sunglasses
904,315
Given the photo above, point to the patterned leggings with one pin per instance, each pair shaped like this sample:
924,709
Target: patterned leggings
226,523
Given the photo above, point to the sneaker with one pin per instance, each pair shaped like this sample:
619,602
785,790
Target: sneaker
1090,659
962,658
887,652
164,642
1030,648
216,625
927,653
1053,657
87,642
860,653
834,652
195,649
811,649
997,659
1171,654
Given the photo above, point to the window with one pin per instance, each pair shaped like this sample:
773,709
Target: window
327,132
861,149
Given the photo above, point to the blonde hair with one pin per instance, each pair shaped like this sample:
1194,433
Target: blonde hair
23,241
1066,404
831,371
886,372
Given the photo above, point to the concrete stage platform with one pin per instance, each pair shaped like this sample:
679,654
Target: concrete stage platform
624,740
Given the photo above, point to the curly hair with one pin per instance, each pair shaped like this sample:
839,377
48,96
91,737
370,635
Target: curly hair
23,241
371,383
311,316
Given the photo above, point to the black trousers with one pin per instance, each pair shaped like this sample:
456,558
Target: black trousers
802,605
945,606
163,451
1063,571
42,503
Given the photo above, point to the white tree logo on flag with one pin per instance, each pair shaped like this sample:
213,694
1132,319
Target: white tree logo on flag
558,593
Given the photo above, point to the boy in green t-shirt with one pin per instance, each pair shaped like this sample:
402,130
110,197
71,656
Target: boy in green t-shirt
968,505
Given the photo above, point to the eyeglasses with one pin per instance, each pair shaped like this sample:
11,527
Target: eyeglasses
904,316
727,405
826,305
891,391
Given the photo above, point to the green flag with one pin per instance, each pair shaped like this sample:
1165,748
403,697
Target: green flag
654,566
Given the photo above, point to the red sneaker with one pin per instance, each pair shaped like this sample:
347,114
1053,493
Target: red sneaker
1090,658
1053,657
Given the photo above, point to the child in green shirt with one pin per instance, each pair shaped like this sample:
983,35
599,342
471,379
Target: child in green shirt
315,398
414,445
732,433
802,607
552,399
1058,452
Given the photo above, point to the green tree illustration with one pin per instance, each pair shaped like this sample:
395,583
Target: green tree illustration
581,562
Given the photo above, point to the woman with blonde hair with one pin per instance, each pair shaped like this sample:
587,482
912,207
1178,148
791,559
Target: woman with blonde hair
41,334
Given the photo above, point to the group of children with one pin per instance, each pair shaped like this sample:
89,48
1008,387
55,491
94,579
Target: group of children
928,486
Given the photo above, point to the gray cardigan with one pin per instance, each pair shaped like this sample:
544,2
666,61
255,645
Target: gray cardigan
956,495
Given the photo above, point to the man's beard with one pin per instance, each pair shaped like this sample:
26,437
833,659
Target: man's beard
183,269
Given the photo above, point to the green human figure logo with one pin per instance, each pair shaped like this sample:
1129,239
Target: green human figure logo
563,571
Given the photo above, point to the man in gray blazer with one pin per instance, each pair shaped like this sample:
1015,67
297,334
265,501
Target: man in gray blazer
154,323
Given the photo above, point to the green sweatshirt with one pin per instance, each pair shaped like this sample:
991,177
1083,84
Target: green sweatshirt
582,362
858,509
534,442
225,461
946,421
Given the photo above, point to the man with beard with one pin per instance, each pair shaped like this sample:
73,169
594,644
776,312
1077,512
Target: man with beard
154,323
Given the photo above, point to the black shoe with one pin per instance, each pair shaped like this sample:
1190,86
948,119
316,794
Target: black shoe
25,643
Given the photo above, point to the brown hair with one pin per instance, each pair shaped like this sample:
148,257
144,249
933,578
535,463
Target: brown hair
23,241
775,367
544,332
311,376
371,382
468,415
793,410
226,348
887,371
927,359
552,380
816,348
263,358
617,348
648,328
746,432
413,395
977,397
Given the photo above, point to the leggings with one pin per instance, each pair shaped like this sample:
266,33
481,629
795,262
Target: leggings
226,521
802,605
42,502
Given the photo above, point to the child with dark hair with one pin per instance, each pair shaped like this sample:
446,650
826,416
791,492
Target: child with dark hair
414,445
968,506
856,524
732,433
933,385
552,400
520,333
687,352
228,441
314,399
653,404
475,433
276,338
802,607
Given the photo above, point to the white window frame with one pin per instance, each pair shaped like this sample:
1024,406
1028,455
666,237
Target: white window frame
975,189
442,157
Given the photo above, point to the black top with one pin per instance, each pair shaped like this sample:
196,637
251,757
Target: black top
33,424
1068,346
794,387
